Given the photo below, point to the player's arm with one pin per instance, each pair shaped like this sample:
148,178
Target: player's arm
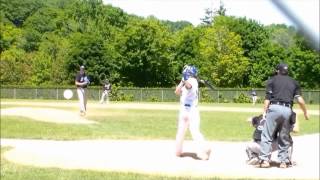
300,100
179,87
267,97
79,83
302,105
265,107
187,84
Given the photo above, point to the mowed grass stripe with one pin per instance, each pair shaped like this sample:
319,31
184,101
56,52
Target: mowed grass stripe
140,124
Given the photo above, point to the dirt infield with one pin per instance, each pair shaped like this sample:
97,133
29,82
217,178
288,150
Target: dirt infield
157,157
47,115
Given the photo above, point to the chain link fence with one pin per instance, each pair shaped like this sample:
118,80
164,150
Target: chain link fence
149,94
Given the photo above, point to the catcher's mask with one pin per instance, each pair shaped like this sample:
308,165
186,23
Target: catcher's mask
256,120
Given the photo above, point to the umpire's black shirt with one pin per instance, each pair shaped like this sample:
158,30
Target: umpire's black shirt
283,89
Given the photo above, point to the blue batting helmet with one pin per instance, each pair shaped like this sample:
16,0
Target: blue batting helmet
190,70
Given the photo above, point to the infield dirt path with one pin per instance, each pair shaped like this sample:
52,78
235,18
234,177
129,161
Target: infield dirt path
157,157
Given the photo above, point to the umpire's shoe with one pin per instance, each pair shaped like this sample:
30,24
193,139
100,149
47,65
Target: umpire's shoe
263,164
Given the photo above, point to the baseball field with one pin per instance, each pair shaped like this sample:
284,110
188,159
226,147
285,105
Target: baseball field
43,139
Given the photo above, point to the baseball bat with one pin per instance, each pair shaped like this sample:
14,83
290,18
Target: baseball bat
207,83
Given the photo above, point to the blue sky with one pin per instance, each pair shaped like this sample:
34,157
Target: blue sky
262,11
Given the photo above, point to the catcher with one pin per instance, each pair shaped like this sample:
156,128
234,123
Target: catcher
253,148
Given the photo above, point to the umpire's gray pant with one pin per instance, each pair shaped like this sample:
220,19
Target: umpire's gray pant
277,121
253,149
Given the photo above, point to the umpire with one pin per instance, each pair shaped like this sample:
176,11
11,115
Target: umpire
280,93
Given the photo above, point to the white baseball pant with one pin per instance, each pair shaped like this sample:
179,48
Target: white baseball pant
104,94
189,117
82,95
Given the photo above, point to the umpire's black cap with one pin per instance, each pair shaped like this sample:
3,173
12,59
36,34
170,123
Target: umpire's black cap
283,68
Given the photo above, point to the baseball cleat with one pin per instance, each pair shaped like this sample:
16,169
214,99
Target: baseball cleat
253,161
204,155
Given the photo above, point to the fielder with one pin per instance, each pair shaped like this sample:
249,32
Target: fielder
82,83
254,96
106,88
189,116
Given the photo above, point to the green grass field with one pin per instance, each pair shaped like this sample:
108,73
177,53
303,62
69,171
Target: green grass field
125,124
139,124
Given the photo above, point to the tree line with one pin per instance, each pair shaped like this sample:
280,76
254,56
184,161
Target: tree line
44,42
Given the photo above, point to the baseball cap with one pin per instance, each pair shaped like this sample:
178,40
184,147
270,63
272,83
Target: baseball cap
82,67
283,68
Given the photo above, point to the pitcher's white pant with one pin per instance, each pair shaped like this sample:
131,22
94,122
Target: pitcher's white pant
105,93
189,117
82,95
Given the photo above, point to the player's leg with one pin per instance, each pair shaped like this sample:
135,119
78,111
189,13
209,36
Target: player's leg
183,123
267,135
290,151
80,93
253,150
195,126
107,95
254,100
284,139
85,98
203,150
102,97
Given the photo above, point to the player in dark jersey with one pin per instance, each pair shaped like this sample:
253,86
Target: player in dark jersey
82,82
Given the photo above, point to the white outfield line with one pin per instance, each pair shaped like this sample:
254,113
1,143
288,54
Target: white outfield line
147,106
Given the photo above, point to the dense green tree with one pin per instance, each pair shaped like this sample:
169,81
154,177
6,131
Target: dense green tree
146,52
45,42
305,67
186,48
176,26
94,53
222,57
268,56
10,36
15,67
252,33
18,11
49,63
44,20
